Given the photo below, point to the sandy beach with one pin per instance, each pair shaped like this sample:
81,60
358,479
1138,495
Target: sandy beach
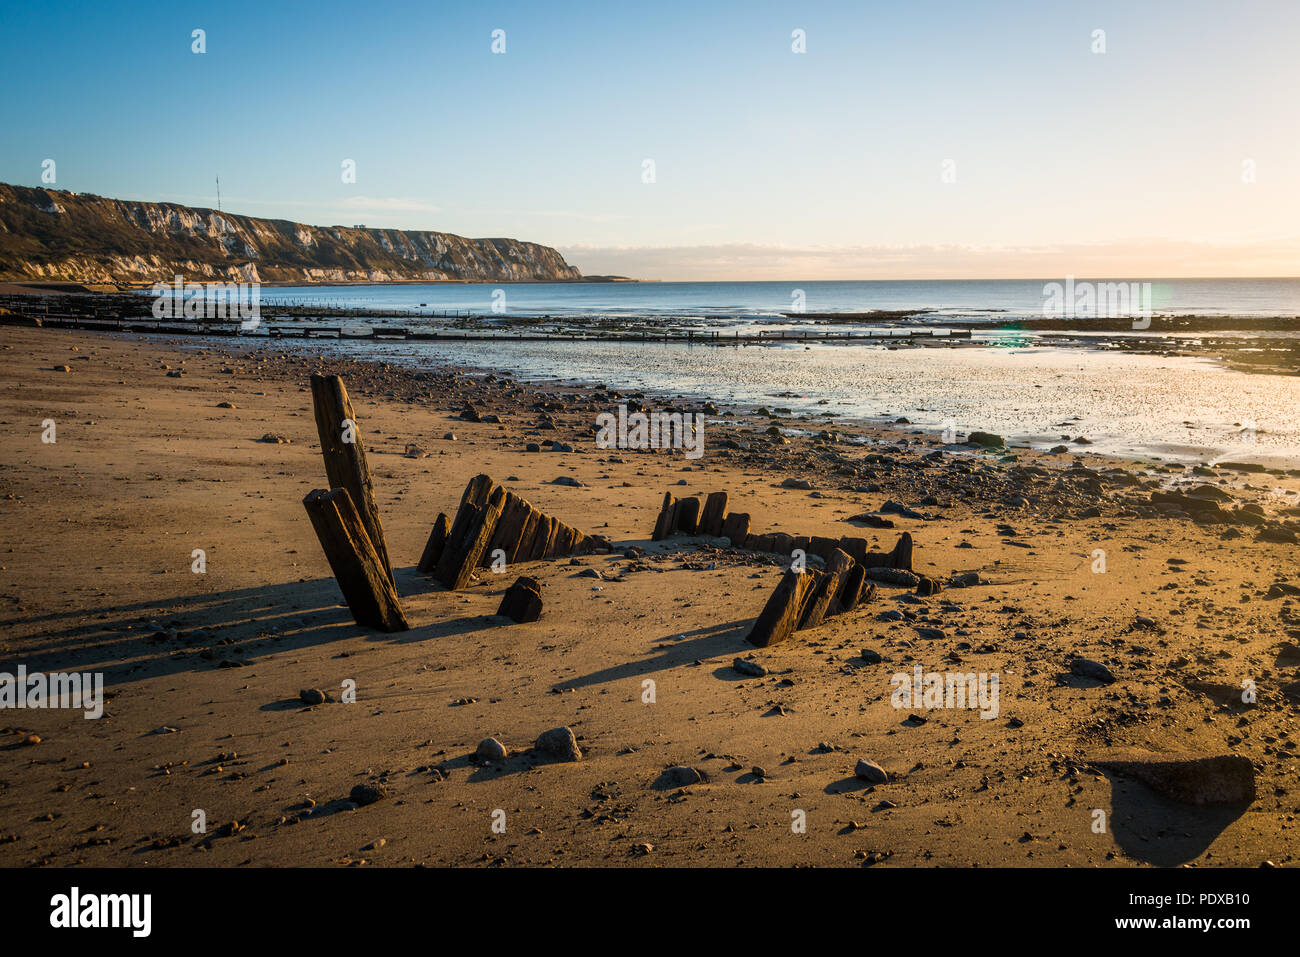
202,672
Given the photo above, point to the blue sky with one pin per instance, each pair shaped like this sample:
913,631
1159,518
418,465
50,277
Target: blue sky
768,163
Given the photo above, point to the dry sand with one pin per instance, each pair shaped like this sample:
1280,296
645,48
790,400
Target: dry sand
203,670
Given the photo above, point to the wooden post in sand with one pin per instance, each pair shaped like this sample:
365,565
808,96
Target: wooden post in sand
345,458
365,582
467,541
783,611
434,546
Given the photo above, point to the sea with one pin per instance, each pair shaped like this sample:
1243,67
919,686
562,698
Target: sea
972,300
1034,390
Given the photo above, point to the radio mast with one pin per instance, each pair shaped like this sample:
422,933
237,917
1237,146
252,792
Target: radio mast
218,194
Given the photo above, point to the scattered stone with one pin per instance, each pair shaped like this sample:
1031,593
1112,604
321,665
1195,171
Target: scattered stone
559,743
490,749
312,696
870,520
1087,668
751,668
989,440
893,576
680,776
522,601
364,794
871,772
927,586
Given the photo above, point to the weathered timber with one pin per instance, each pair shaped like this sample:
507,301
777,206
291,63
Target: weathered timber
542,540
828,590
901,557
357,567
526,534
851,593
783,610
461,555
664,525
345,457
506,534
823,547
736,527
434,546
715,509
688,516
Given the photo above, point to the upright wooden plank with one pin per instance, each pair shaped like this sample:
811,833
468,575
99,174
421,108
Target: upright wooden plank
522,550
365,582
345,457
736,527
434,546
477,491
461,556
688,516
828,590
715,509
665,524
851,592
783,610
507,530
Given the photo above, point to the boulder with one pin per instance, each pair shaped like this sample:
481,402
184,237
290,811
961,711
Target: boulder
559,743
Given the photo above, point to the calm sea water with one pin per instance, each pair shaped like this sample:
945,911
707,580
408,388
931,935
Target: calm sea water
1127,404
993,300
1177,409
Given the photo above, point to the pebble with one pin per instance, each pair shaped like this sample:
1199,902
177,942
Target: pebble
559,743
680,776
1087,668
871,772
364,794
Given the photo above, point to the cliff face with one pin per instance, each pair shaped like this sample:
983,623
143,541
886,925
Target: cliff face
79,237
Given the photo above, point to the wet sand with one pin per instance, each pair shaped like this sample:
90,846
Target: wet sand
203,671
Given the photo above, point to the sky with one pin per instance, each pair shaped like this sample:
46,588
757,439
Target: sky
925,139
